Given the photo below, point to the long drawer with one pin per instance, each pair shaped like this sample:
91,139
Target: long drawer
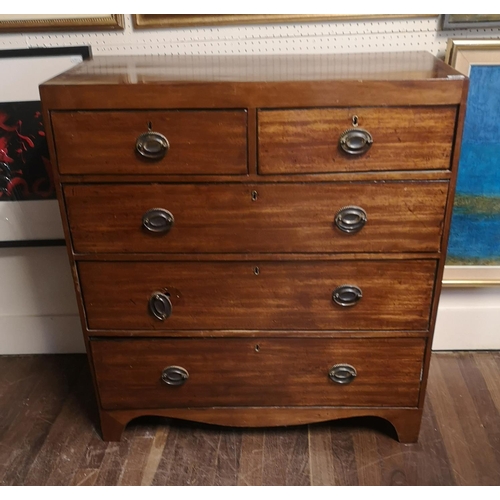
257,372
328,295
108,142
304,141
284,218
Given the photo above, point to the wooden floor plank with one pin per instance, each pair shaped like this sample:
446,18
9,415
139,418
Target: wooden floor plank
368,459
154,456
321,456
331,452
58,458
228,458
49,434
427,462
23,376
189,456
286,457
134,467
84,477
162,473
343,455
393,468
489,366
485,416
443,390
42,392
478,445
251,458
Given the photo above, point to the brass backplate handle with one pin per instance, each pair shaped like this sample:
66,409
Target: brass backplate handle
350,219
160,306
174,375
158,220
342,374
355,141
347,295
152,145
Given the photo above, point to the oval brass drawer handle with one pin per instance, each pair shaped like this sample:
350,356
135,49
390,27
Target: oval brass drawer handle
350,219
174,375
342,374
152,145
356,141
158,220
160,306
347,295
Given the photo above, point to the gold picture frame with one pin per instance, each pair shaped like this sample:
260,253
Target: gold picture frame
19,23
462,55
466,21
153,21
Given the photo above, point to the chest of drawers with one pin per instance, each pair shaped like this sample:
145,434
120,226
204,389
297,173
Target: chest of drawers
257,241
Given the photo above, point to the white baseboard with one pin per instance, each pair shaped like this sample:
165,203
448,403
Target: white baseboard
40,335
38,311
468,319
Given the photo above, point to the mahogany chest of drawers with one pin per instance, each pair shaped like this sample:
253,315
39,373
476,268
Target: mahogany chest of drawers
258,240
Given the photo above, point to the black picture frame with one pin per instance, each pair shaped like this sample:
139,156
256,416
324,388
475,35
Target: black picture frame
86,53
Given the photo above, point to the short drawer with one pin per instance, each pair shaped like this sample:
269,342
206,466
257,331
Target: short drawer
258,372
199,142
305,141
267,295
284,218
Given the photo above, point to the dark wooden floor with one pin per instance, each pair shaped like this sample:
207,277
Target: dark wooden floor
48,436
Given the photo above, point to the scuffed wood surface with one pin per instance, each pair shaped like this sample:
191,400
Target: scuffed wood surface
291,295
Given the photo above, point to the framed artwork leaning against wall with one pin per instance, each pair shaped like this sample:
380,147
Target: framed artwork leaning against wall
474,244
29,213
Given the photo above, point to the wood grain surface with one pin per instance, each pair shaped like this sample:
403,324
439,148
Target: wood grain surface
257,372
201,142
283,218
49,436
258,296
304,141
264,80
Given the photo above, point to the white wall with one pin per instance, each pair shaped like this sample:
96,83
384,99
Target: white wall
355,36
468,319
38,312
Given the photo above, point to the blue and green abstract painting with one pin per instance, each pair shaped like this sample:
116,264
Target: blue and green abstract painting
475,225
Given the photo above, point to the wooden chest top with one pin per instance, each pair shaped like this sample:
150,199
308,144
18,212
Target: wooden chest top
400,78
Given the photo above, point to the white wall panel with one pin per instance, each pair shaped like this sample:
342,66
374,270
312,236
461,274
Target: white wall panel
468,319
30,220
38,311
36,281
40,335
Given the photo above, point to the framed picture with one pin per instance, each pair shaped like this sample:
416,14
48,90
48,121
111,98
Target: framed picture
152,21
29,212
461,21
18,23
474,245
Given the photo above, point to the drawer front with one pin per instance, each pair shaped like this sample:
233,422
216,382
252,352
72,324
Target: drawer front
307,141
284,218
200,142
257,372
396,295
